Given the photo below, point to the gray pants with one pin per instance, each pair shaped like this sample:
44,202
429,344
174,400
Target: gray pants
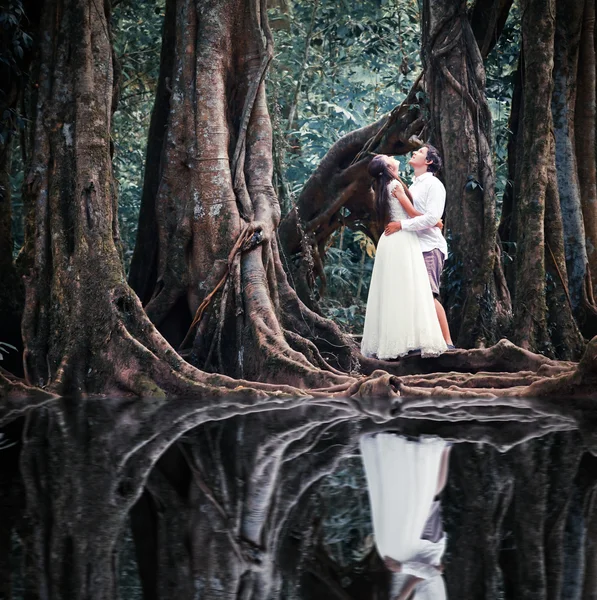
434,526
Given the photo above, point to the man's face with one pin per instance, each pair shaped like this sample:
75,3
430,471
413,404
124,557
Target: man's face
419,158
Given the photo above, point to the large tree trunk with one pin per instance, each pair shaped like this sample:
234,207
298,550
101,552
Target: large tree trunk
585,119
84,329
477,297
537,225
216,212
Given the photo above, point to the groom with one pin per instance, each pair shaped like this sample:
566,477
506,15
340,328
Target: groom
429,198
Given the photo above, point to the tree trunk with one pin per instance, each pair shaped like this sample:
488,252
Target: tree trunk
585,117
549,251
216,211
84,329
533,168
488,18
477,297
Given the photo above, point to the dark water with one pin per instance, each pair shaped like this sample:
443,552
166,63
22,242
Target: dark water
189,498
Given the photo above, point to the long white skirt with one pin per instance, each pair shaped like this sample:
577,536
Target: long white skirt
400,313
402,478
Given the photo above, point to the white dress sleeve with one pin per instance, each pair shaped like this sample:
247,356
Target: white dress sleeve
419,569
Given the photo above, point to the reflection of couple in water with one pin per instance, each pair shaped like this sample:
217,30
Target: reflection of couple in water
405,479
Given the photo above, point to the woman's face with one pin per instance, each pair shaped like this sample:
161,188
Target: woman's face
393,166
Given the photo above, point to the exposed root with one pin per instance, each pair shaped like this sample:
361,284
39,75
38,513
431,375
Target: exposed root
16,396
502,357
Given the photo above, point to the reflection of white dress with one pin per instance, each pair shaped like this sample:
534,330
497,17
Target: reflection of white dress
430,589
400,314
402,478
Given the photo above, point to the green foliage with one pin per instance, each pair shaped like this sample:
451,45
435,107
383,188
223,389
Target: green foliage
137,30
500,69
5,347
363,58
14,42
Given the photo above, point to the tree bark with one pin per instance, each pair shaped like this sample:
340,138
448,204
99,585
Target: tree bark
84,329
585,116
488,18
553,308
220,282
477,298
530,307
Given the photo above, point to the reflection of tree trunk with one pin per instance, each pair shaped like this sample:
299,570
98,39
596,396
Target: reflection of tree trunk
74,526
11,503
506,517
219,505
478,494
478,298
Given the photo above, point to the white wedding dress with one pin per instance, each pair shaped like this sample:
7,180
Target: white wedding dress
400,314
402,478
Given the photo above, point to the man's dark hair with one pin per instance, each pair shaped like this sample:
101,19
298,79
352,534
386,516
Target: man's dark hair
434,157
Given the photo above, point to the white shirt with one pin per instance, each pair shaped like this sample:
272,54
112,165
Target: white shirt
429,198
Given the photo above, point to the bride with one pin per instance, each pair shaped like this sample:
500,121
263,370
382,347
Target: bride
404,479
400,314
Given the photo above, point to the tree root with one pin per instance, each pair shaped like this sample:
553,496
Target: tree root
502,357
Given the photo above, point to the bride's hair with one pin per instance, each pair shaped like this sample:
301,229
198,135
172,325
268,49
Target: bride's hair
378,169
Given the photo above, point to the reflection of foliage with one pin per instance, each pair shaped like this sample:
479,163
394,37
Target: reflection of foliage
4,349
347,530
129,584
137,37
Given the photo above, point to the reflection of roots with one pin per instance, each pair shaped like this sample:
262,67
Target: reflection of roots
468,384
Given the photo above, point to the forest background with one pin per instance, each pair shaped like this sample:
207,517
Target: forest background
108,281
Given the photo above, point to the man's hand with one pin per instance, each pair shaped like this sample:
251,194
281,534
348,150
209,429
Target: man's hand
440,225
392,565
393,227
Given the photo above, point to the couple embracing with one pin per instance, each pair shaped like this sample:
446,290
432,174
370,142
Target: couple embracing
403,311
